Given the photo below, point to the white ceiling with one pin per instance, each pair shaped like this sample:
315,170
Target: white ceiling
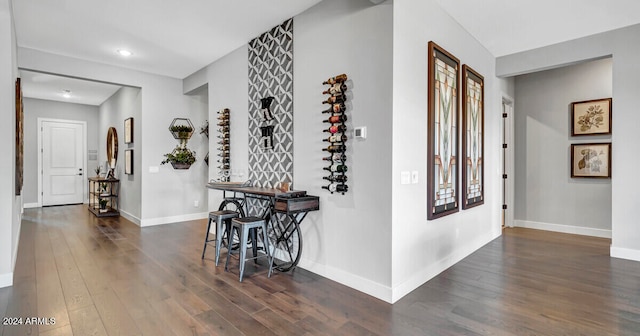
52,87
176,38
509,26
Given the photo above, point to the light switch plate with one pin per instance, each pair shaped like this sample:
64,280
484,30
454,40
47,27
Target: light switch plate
154,169
360,132
414,177
405,177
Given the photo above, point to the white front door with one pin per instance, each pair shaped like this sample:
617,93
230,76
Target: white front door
63,176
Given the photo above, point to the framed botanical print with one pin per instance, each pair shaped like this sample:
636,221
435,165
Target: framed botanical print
128,161
472,138
442,125
591,117
128,130
591,160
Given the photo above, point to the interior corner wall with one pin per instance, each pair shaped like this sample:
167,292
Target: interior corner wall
624,47
227,83
39,108
10,204
123,104
421,248
349,239
546,197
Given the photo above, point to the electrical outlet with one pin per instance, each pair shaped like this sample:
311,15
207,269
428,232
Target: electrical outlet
405,177
196,203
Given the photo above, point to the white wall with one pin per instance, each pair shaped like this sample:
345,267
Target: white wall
10,204
167,196
228,87
421,248
546,196
38,108
349,239
123,104
624,45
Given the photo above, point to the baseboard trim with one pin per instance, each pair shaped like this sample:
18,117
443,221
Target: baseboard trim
579,230
31,205
438,267
135,220
353,281
173,219
393,294
624,253
6,280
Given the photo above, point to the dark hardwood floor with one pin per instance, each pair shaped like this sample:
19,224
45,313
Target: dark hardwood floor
109,277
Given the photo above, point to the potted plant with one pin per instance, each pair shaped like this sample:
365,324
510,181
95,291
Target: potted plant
103,205
181,131
180,158
98,170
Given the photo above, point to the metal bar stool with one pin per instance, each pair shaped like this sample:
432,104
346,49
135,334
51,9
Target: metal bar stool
222,217
243,225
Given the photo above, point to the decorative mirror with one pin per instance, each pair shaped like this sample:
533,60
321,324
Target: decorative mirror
112,150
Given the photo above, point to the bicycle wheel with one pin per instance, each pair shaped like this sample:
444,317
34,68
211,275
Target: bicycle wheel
285,241
233,205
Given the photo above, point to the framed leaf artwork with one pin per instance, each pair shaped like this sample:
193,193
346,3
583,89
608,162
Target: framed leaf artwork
442,135
472,138
591,117
591,160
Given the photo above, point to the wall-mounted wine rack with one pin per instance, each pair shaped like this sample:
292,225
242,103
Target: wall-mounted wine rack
337,139
224,148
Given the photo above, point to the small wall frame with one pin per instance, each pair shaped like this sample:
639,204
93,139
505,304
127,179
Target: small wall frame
591,117
128,162
128,130
591,160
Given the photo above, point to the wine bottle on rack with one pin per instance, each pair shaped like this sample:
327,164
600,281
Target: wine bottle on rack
224,111
223,148
337,99
224,130
224,123
335,108
224,141
336,138
337,79
336,128
333,187
336,178
337,168
336,88
223,117
224,154
336,119
336,157
224,135
335,149
223,160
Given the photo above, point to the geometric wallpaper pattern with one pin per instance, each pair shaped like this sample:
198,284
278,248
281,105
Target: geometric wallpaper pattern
271,75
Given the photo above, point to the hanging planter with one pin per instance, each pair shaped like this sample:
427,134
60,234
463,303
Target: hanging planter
180,158
181,128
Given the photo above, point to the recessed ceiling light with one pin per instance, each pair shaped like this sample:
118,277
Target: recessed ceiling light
124,52
66,93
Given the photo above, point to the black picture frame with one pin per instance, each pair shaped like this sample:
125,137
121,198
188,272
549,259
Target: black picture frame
128,130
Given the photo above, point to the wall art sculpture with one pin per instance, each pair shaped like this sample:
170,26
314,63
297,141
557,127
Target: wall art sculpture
442,124
472,138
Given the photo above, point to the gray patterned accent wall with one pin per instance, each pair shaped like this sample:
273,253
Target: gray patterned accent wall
271,75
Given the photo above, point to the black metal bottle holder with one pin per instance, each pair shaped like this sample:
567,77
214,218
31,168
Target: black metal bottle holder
224,145
342,131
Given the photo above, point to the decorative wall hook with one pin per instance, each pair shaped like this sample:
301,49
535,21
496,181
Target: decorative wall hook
266,108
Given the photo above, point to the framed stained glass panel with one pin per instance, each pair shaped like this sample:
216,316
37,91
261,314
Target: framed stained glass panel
472,138
442,143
